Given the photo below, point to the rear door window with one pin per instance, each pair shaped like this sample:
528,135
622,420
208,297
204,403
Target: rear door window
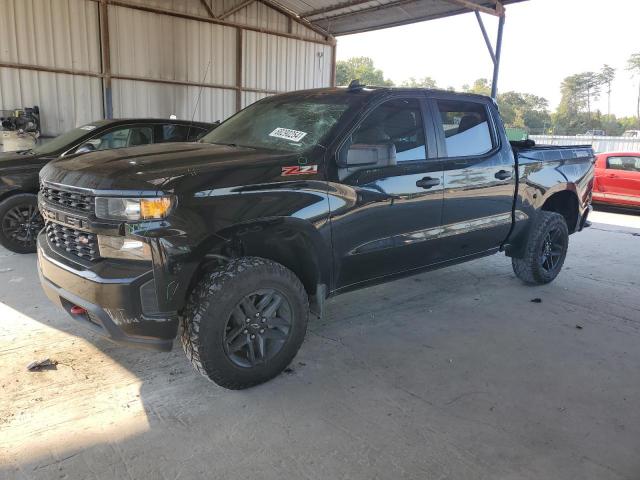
180,133
123,137
626,163
466,128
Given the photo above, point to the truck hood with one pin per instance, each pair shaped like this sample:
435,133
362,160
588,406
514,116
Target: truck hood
20,160
167,167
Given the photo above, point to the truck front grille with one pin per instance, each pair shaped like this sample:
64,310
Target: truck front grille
76,242
72,200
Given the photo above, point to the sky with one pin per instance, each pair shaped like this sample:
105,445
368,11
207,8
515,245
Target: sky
544,42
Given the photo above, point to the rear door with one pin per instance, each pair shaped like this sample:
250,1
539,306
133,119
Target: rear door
479,174
621,178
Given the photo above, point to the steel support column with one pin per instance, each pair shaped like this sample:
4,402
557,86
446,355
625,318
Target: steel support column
107,95
496,65
495,55
239,60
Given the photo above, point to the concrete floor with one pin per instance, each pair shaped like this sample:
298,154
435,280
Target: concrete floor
451,374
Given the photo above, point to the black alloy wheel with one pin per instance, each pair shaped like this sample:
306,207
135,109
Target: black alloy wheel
257,328
20,223
553,250
545,250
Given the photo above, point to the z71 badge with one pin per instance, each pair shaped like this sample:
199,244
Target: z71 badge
300,170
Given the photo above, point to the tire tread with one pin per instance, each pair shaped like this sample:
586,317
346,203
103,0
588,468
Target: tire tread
205,293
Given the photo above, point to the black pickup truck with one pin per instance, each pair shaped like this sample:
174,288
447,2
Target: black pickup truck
20,221
297,198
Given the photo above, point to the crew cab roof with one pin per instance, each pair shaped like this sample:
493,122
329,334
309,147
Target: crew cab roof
375,92
123,121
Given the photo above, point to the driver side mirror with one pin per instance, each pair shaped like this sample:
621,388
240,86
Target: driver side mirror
85,148
366,155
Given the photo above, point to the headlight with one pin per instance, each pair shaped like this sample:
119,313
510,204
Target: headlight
113,208
122,247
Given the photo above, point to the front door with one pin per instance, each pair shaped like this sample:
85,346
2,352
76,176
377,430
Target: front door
479,176
386,195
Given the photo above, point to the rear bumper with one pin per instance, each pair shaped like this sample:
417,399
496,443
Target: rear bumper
115,297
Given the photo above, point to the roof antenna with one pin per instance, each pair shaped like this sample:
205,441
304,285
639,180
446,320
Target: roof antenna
355,85
195,108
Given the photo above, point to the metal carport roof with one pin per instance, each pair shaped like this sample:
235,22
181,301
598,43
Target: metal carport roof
355,16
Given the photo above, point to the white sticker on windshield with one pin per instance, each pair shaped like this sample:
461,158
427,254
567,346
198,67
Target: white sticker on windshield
88,127
288,134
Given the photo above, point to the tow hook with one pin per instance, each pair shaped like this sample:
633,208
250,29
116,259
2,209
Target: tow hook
77,310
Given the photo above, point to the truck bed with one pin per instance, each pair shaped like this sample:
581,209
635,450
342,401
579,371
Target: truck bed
529,150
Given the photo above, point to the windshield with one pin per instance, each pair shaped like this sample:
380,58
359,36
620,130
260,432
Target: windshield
63,141
291,124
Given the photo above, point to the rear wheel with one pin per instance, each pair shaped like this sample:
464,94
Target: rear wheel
545,251
244,323
20,222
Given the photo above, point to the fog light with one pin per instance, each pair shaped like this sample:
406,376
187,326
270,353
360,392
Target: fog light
123,247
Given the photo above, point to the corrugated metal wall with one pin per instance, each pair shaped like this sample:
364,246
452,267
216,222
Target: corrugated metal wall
277,63
160,63
51,33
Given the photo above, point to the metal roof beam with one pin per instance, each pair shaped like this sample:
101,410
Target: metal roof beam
235,9
293,15
486,37
499,10
207,8
373,8
333,8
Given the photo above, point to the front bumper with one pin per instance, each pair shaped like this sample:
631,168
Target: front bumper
118,297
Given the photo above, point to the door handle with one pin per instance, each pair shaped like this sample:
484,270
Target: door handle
502,175
611,175
428,182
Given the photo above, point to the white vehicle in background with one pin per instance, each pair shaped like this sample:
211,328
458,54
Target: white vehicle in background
631,134
592,133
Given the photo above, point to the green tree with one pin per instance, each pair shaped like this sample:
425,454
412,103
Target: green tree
570,117
425,82
607,75
360,68
592,82
524,110
633,66
481,86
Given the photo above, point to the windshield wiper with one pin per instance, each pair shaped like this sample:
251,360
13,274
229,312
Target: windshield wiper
220,143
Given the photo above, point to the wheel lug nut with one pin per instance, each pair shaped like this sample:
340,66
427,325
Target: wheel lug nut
245,331
252,337
248,320
257,314
263,320
262,330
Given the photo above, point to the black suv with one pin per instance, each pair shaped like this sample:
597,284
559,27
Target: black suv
19,218
298,197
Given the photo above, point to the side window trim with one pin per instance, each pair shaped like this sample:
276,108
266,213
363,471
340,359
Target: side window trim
429,135
439,131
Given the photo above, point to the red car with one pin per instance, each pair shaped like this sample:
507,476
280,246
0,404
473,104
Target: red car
617,179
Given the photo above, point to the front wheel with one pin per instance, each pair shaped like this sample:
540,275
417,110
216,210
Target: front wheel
20,222
545,251
245,322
